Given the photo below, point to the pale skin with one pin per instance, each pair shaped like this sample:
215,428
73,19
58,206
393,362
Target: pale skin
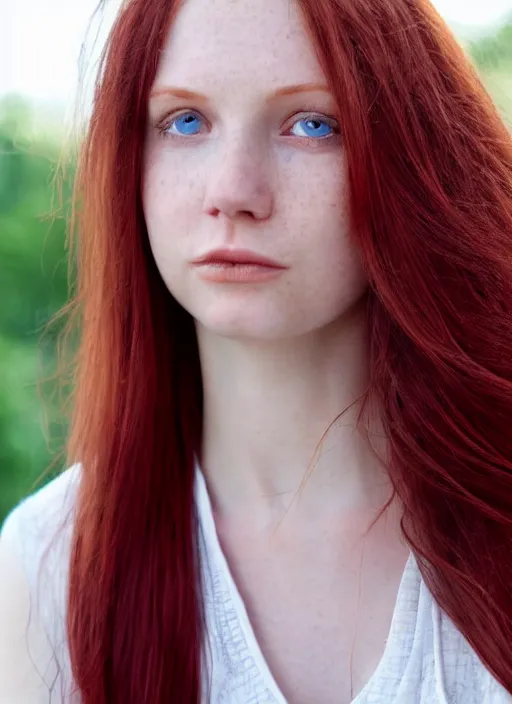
238,166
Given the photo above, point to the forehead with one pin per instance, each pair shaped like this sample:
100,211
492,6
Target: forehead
224,42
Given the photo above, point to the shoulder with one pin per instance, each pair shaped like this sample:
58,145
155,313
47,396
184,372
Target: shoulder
38,532
428,657
34,551
465,675
39,515
447,665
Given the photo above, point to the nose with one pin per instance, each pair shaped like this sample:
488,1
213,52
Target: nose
241,184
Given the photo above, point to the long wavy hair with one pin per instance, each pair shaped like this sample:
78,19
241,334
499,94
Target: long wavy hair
429,163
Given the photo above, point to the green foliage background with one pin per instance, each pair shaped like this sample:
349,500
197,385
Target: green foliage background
33,286
34,279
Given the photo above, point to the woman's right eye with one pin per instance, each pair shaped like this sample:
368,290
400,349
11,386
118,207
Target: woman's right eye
185,125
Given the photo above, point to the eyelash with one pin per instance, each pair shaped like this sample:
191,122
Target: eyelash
164,125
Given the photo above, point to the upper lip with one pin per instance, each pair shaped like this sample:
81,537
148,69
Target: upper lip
237,256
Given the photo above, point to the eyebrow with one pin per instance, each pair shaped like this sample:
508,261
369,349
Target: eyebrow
280,92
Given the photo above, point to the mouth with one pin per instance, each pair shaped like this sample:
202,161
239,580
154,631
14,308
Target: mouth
237,267
237,257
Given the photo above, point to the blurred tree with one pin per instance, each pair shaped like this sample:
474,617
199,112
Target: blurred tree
33,286
493,51
492,56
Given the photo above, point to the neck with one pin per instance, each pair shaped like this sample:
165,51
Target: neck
267,407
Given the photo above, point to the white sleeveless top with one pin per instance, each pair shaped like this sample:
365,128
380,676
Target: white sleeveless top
426,659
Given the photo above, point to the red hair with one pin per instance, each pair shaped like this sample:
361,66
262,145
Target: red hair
430,170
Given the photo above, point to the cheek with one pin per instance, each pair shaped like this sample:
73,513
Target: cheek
316,210
168,192
172,202
319,225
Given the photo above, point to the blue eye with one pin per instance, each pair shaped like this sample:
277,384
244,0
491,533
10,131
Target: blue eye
186,124
315,127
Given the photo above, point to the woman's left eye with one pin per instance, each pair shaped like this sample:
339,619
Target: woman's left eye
188,124
314,128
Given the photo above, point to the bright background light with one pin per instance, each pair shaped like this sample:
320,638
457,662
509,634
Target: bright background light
40,41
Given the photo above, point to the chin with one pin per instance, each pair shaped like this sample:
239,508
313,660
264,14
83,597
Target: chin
243,330
244,324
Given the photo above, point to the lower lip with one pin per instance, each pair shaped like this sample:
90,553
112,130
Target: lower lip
237,273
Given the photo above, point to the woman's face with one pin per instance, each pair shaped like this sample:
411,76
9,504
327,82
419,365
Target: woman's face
244,151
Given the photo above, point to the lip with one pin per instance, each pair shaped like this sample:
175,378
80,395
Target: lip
237,256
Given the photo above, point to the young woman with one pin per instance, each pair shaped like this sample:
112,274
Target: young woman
290,457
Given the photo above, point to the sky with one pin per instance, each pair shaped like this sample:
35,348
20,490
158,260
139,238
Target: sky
40,41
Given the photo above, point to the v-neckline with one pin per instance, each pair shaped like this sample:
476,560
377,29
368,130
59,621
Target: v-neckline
207,519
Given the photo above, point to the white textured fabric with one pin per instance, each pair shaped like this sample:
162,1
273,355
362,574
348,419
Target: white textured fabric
426,660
